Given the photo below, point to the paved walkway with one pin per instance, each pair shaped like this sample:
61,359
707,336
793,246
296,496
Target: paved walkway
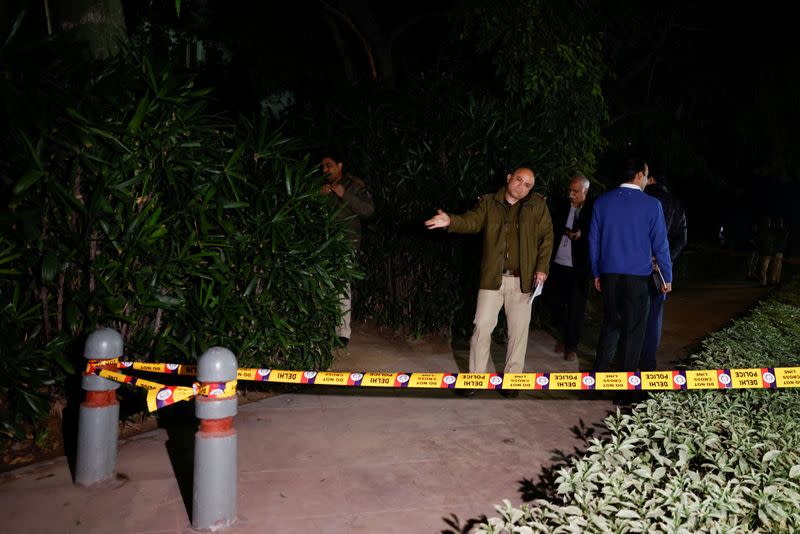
334,460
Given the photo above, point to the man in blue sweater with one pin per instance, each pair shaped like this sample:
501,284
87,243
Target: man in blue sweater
626,232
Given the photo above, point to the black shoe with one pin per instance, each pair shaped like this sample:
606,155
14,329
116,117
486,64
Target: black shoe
343,341
466,392
509,393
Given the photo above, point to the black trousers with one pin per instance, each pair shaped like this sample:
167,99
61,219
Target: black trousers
626,305
569,289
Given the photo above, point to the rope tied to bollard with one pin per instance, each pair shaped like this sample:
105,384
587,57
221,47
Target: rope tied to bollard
109,363
162,395
214,488
101,398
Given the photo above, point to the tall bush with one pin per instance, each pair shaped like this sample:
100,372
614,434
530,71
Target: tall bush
454,147
550,56
135,207
441,144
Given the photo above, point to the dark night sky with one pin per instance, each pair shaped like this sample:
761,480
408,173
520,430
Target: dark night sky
720,79
703,62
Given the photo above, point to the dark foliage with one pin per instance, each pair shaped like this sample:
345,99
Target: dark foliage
129,205
452,149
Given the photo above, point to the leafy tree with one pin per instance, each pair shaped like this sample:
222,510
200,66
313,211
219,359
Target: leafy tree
459,142
453,148
130,205
550,56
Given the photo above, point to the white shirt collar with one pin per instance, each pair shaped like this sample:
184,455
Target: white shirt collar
630,186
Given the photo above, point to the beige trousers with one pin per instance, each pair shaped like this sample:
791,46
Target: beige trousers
518,316
764,269
343,328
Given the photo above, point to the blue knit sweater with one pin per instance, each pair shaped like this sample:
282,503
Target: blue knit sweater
627,230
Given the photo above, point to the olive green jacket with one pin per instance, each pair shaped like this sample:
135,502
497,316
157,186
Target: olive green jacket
355,204
535,237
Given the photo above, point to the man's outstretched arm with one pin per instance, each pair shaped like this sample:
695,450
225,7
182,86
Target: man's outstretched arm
440,220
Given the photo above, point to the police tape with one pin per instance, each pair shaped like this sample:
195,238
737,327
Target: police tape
92,365
751,378
744,378
161,395
166,368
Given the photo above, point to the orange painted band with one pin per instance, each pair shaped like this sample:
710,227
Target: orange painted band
216,426
100,399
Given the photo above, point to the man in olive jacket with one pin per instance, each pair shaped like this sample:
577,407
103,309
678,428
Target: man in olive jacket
350,195
517,243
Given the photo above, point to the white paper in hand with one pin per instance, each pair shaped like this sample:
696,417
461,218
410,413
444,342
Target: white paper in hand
536,292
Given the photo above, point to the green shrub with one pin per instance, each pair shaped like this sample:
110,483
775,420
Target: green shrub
453,148
136,208
37,80
441,144
30,365
695,461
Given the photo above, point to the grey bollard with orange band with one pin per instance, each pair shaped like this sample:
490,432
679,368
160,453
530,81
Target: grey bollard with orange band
215,465
98,421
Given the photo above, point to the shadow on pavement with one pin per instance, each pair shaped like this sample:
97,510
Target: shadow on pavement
545,487
457,528
181,426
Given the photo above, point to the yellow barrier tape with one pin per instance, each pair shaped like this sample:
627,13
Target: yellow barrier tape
166,368
761,378
158,395
161,395
747,378
91,365
215,389
788,377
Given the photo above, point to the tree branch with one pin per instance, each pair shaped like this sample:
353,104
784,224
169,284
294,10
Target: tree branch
364,43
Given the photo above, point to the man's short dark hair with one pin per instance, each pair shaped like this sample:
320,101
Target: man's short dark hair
632,167
334,154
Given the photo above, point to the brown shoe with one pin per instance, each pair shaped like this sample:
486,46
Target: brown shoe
570,356
559,347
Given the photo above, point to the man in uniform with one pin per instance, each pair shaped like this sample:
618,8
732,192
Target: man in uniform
354,201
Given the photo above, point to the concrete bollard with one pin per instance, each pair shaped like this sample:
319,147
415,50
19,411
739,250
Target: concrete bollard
215,465
98,421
